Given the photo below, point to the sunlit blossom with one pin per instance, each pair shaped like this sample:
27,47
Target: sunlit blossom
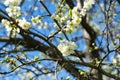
36,20
14,11
24,24
67,47
12,2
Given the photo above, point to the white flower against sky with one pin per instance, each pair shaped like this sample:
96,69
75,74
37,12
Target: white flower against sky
36,20
13,11
24,24
75,12
77,15
87,6
12,2
5,22
64,18
70,27
10,27
73,25
76,21
67,47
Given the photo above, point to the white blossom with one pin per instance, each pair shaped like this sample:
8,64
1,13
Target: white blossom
67,47
10,27
76,21
73,25
5,22
14,11
12,2
24,24
77,15
36,20
75,12
7,25
62,19
70,27
87,6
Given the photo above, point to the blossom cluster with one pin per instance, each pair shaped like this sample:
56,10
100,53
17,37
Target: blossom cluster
60,14
73,25
73,17
13,11
87,6
24,24
36,20
13,8
77,14
10,27
12,2
67,47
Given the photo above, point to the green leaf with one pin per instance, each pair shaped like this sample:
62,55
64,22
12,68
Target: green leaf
70,13
36,58
60,38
